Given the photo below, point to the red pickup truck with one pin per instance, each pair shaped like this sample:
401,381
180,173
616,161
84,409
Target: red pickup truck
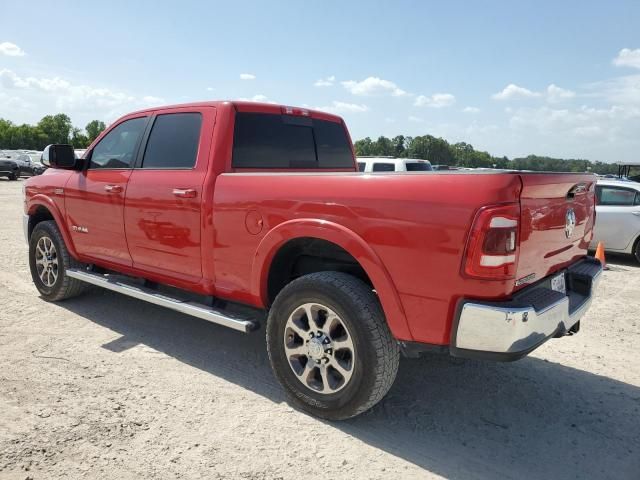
245,214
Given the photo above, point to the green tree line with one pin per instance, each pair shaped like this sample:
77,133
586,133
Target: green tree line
51,129
440,152
59,129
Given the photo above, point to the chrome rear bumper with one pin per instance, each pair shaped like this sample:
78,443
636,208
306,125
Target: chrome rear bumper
510,330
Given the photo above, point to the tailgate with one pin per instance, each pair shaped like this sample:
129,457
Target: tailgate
557,216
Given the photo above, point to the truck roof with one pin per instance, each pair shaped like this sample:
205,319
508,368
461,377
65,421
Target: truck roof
247,106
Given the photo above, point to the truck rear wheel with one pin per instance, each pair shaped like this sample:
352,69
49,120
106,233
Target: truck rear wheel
49,260
329,345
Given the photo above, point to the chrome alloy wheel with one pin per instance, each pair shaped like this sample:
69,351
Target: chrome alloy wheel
319,348
47,261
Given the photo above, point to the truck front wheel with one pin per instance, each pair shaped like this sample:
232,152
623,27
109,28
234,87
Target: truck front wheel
49,260
329,345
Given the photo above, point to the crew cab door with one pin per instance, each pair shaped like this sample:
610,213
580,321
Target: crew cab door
163,210
94,197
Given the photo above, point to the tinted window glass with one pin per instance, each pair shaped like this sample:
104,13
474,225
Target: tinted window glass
283,141
383,167
615,196
334,150
118,147
173,142
361,166
418,167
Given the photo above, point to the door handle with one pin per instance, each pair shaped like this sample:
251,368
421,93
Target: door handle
113,188
185,192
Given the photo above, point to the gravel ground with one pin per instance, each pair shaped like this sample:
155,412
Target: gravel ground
104,386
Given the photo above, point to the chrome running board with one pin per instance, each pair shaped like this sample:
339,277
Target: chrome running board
148,295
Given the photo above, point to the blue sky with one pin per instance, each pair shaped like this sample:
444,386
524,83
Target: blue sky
514,78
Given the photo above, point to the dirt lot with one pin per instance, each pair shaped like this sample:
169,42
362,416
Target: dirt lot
104,386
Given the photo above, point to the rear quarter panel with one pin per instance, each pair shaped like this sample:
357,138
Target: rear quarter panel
416,224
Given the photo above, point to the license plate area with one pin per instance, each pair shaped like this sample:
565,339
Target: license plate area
558,284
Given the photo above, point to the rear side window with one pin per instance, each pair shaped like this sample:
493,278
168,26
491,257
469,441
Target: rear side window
383,167
173,141
614,196
361,166
333,147
418,167
288,142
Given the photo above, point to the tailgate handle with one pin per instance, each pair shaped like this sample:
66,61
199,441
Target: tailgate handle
185,192
577,189
113,188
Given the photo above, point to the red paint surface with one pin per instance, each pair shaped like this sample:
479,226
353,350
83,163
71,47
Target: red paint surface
409,232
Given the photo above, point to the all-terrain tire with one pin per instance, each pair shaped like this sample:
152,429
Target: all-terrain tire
376,352
64,286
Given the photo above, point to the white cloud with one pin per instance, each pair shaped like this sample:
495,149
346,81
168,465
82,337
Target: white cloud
247,76
552,94
210,89
437,100
628,58
11,50
343,107
613,124
325,82
556,94
620,90
257,98
512,90
470,109
152,101
415,119
372,86
38,96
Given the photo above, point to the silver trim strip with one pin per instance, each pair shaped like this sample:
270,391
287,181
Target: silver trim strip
25,227
189,308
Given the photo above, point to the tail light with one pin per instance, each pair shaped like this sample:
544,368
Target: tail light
302,112
492,251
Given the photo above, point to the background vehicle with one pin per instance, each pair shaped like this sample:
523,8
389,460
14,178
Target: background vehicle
392,164
28,161
24,164
246,214
37,168
442,167
618,213
9,168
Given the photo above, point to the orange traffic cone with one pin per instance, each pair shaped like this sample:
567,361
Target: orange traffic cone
600,255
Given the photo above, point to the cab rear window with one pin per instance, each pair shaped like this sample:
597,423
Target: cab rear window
264,140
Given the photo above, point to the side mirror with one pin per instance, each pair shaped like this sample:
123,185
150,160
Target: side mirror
59,156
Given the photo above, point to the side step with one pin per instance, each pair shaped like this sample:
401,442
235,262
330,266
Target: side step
148,295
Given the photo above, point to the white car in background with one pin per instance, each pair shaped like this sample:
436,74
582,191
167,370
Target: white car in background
618,217
392,164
